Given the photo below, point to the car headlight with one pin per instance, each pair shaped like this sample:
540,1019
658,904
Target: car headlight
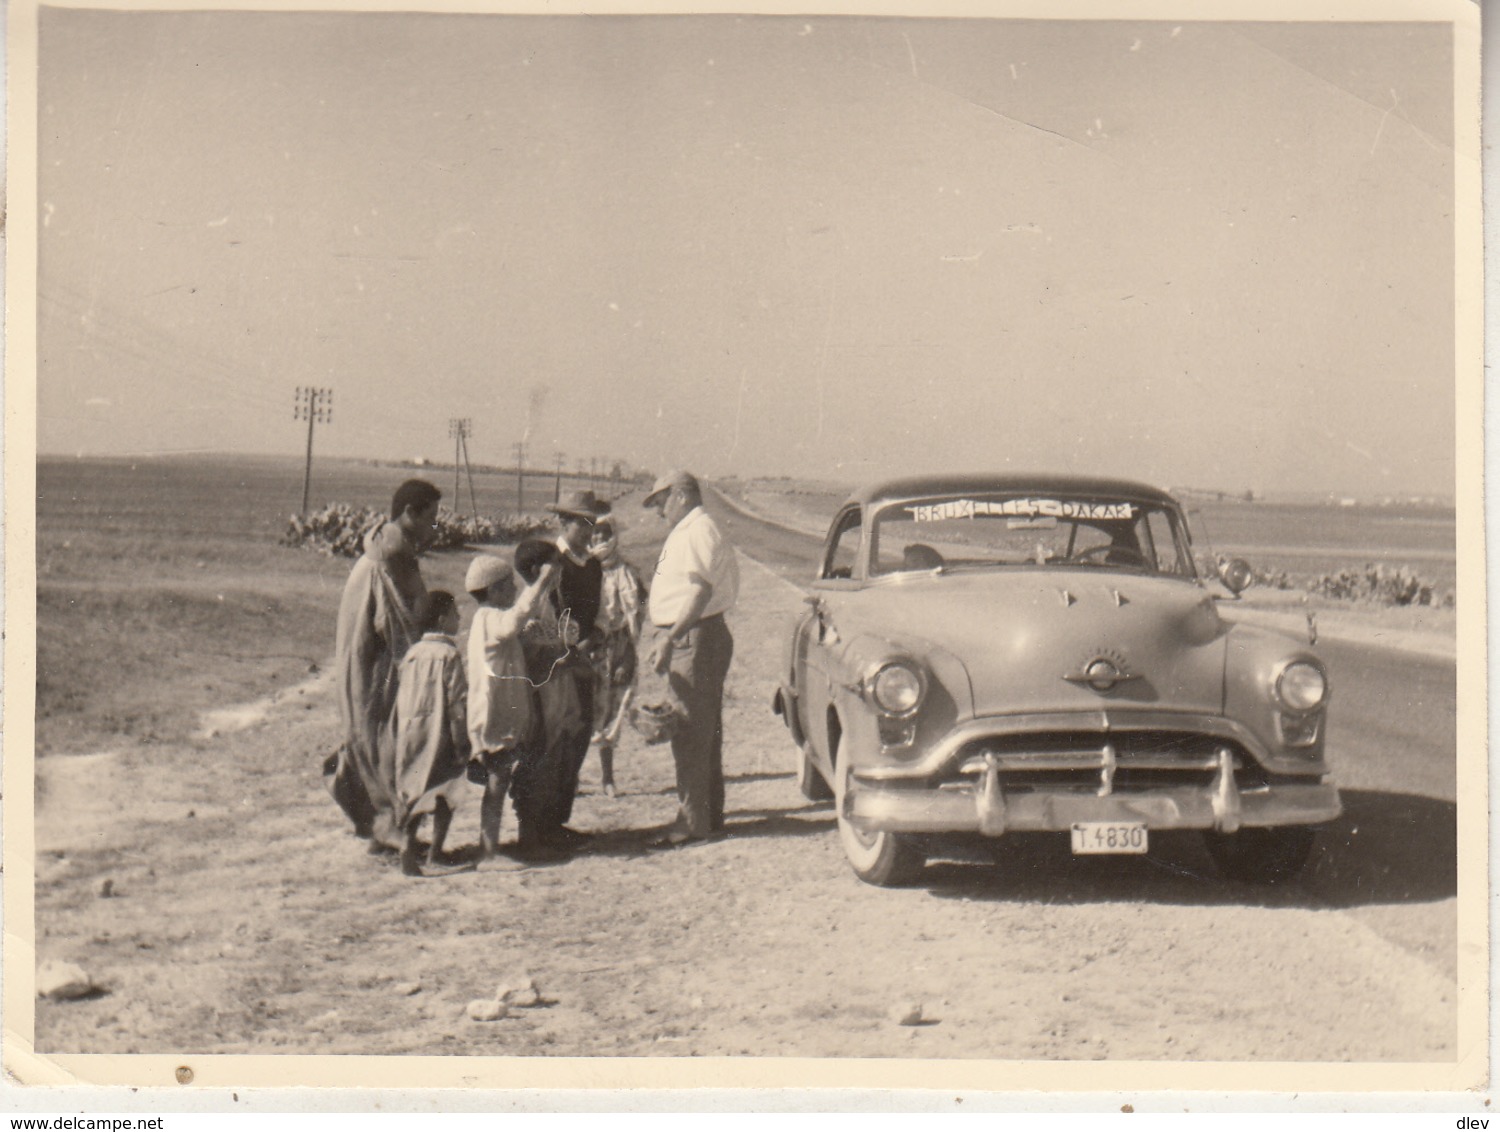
1301,686
896,688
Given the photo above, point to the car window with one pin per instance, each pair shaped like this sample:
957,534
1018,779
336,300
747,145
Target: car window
983,531
843,546
1169,552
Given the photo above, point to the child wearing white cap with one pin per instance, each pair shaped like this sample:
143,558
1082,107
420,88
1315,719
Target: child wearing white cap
502,712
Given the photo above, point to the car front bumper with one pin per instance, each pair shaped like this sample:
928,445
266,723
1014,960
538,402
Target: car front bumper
984,806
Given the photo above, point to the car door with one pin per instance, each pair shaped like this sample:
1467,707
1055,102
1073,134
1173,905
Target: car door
817,631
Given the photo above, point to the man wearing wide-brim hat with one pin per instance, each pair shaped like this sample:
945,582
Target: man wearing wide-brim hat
583,505
697,581
545,790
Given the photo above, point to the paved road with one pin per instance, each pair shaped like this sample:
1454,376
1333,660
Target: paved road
1392,723
1392,745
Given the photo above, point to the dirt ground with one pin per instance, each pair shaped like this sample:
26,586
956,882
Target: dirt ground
242,916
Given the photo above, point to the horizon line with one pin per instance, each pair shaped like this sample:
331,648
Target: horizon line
1321,493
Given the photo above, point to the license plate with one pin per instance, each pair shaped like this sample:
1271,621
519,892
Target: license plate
1109,837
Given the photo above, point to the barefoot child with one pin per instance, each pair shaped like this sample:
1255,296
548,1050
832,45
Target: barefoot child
618,629
432,743
502,705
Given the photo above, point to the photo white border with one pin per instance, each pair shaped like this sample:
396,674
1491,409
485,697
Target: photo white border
1452,1085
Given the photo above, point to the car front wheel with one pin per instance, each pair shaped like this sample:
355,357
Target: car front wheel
1261,856
881,859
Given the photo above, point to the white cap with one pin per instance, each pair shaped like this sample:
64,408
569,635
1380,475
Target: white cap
666,482
484,572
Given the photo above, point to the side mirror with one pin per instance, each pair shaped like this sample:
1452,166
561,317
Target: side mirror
1236,575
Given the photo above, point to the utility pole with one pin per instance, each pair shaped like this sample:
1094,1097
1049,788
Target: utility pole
557,481
469,471
315,406
458,429
593,473
520,450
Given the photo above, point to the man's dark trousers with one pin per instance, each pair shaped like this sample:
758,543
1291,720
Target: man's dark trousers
697,672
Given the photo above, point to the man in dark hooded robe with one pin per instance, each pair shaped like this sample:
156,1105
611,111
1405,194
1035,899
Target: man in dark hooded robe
379,617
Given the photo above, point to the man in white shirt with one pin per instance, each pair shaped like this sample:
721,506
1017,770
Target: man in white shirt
697,581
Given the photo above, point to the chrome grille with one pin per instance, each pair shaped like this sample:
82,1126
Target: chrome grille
1096,762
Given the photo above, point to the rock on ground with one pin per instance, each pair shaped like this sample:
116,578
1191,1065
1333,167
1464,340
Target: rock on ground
55,979
907,1014
486,1010
519,990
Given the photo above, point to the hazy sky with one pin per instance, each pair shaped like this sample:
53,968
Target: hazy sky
1208,254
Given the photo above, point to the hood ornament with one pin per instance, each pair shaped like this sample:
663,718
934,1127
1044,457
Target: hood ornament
1102,672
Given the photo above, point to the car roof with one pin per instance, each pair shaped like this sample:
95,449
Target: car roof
913,487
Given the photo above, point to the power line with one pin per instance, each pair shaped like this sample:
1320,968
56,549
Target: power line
100,326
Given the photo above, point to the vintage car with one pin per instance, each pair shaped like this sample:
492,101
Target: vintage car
1004,654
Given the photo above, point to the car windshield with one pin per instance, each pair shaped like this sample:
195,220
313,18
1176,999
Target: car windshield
1003,530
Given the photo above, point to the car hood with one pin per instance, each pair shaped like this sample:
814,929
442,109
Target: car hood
1020,634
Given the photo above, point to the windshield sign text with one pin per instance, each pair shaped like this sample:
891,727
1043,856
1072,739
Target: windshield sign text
1027,508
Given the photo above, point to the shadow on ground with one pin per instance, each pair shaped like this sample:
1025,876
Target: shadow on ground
759,776
1385,849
